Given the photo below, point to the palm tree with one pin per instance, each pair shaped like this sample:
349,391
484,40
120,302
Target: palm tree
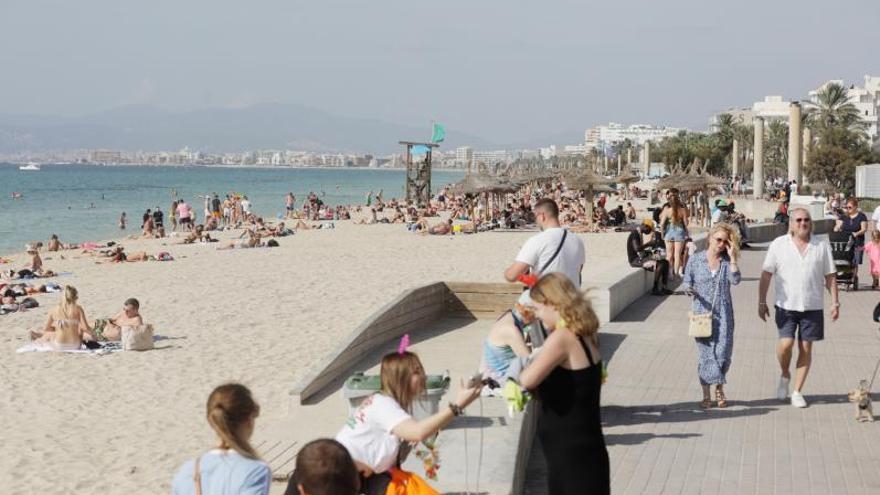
833,111
776,146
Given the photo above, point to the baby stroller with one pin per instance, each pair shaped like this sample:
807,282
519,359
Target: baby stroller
843,251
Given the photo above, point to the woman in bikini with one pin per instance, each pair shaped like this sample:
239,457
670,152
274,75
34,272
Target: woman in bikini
66,325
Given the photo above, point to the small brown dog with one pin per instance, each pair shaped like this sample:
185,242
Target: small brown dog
862,399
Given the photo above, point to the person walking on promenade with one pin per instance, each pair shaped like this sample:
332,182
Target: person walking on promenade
673,223
802,264
708,277
553,250
854,222
567,375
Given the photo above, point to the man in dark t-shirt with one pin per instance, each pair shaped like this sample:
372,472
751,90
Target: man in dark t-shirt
158,218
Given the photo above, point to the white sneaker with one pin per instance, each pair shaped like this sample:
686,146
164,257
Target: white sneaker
782,388
797,400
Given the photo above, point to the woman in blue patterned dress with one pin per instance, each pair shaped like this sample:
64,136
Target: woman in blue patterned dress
707,271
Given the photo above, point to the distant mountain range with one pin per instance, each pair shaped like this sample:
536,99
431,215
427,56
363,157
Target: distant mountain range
261,126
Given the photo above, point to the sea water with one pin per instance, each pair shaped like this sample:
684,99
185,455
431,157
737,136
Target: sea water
83,202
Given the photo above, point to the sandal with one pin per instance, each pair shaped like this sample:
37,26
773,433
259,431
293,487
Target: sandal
721,400
706,403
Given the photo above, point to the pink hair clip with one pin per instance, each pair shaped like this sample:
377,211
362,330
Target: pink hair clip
404,344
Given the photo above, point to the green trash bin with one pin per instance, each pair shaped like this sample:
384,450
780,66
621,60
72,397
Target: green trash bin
360,386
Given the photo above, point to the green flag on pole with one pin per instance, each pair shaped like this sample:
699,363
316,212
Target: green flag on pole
439,133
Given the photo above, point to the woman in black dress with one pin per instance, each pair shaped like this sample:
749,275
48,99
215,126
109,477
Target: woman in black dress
854,222
567,374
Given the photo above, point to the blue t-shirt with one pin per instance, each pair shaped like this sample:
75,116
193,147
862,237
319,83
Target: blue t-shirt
224,472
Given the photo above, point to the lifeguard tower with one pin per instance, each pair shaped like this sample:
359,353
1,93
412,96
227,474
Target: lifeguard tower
418,174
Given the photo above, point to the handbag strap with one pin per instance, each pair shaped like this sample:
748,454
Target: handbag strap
717,286
555,253
197,476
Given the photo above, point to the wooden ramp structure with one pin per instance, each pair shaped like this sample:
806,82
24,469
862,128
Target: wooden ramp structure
410,312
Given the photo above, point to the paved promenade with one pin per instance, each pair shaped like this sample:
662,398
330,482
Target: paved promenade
661,442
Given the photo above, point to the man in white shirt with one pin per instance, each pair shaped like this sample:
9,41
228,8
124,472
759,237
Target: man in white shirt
802,265
553,250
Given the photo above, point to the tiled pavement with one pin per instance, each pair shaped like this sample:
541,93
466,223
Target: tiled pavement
660,441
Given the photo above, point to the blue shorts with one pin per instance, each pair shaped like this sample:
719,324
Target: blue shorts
674,233
809,326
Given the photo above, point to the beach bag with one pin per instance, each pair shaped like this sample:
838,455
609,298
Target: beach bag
137,338
406,483
700,325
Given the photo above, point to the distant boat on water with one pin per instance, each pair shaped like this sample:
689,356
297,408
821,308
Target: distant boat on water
30,166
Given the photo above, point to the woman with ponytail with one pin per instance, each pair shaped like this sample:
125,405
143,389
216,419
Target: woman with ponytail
567,375
233,467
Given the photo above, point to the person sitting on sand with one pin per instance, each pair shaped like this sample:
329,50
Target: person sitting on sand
54,244
111,328
630,211
66,325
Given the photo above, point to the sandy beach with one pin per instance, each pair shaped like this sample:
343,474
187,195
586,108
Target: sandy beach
124,422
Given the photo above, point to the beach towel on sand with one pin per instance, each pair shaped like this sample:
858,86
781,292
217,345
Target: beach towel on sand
106,347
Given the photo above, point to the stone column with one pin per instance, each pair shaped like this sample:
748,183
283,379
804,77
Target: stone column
734,160
758,174
646,159
619,162
805,152
605,164
629,156
794,142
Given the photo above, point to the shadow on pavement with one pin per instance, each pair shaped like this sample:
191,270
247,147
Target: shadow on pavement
637,438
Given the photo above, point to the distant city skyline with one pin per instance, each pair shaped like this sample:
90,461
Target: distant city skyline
504,71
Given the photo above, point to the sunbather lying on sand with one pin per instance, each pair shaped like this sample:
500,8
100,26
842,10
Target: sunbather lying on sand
111,328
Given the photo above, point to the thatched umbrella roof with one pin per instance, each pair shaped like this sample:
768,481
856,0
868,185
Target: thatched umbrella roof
626,176
698,178
673,179
473,184
584,179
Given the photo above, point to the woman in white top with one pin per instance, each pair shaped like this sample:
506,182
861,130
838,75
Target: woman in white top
376,430
233,467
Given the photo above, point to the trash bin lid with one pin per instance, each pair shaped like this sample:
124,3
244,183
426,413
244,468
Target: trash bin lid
360,381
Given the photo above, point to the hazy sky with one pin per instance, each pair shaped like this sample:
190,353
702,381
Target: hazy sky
503,69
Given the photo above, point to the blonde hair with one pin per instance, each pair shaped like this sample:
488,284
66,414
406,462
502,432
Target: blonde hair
875,235
229,407
396,374
68,302
732,236
555,289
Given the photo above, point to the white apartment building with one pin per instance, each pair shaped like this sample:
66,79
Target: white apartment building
606,135
464,154
492,157
865,98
